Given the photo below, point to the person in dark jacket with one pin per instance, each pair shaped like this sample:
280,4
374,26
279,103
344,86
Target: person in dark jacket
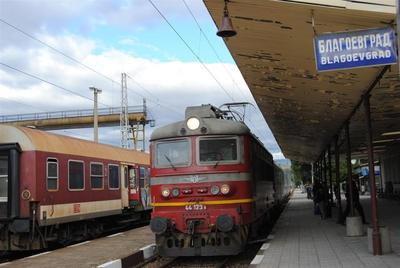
356,201
317,197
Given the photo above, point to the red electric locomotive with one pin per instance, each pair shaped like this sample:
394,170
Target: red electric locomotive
55,188
211,182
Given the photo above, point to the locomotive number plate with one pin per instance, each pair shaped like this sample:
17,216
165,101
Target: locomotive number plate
195,207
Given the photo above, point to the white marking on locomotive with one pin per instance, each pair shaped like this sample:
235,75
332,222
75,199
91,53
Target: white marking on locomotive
197,178
196,207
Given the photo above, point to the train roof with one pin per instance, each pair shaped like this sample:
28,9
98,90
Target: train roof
211,122
37,140
214,127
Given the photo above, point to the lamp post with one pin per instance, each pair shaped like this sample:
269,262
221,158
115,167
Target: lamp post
96,91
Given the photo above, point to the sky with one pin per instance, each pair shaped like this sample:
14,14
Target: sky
77,44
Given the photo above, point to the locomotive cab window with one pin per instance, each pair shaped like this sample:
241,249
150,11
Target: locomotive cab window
172,153
218,150
76,176
96,176
113,177
52,174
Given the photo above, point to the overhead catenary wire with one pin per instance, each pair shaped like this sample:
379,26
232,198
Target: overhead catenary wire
54,49
50,83
220,60
22,103
213,49
191,50
88,67
136,82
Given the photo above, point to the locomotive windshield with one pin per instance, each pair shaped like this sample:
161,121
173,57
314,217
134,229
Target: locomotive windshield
172,153
218,149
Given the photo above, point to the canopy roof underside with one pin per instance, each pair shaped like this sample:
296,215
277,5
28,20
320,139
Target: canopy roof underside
306,109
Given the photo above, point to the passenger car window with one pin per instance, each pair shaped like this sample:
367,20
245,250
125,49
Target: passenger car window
76,177
52,174
96,175
3,179
113,177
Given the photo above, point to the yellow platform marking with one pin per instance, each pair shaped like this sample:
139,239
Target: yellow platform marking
212,202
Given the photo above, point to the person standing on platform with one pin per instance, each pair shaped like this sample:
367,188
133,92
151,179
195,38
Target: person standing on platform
317,197
356,202
309,191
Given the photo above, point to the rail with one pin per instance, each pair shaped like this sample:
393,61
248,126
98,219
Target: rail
69,114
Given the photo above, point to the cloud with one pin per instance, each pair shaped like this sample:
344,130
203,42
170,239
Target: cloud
53,17
136,43
168,86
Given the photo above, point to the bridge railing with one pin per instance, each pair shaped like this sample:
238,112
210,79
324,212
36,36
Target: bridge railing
69,114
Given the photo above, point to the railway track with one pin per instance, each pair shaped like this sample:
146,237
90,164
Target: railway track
241,260
200,262
238,261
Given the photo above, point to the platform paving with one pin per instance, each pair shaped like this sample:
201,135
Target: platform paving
301,239
90,253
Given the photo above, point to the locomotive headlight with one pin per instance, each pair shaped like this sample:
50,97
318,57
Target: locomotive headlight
225,189
165,192
175,192
193,123
214,189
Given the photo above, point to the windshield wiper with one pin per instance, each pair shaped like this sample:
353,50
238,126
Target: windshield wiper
170,162
216,164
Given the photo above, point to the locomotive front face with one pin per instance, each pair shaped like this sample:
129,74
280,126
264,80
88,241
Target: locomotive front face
212,182
200,184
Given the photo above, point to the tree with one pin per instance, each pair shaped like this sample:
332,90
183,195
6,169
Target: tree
301,173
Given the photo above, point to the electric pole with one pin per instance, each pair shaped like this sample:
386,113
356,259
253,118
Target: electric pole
96,91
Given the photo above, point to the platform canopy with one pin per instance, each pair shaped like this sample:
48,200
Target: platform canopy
305,109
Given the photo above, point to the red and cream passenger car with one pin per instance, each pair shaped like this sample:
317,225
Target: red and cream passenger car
63,189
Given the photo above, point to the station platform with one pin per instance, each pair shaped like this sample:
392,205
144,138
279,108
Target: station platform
89,253
302,239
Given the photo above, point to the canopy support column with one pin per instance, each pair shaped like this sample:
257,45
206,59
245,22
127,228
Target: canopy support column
376,236
337,173
349,171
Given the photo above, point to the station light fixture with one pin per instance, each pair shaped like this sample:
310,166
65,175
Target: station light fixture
226,29
193,123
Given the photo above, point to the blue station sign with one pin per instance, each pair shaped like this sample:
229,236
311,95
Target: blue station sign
355,49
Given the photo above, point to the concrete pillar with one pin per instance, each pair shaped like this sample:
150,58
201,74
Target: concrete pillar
96,91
